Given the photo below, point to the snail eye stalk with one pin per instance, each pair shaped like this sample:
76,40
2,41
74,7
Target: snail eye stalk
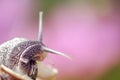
55,52
40,39
40,27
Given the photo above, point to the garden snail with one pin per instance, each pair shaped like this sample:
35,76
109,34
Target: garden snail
18,57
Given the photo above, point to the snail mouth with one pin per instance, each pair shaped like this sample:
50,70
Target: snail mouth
46,71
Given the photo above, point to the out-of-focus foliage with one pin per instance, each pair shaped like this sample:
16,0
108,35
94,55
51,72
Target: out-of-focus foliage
47,5
112,74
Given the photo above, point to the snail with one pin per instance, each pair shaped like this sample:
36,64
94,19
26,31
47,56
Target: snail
19,56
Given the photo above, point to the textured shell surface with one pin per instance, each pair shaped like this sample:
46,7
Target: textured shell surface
6,49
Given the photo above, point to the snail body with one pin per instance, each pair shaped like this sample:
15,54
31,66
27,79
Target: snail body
21,55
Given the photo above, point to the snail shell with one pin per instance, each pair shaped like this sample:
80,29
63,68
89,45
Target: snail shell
6,50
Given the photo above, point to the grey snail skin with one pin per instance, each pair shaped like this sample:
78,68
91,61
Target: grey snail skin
19,57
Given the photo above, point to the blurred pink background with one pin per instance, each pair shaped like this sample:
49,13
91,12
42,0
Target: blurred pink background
89,33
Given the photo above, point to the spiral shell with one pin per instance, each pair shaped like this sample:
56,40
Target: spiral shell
6,49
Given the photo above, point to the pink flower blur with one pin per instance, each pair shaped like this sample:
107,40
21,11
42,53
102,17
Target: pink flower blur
90,36
13,15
